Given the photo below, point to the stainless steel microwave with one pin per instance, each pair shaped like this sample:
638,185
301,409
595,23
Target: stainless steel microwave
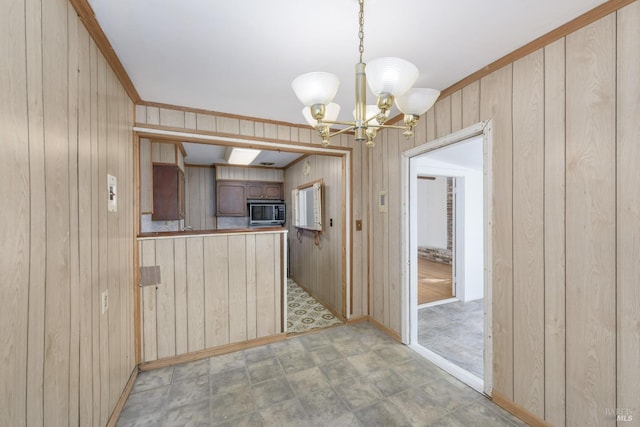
266,212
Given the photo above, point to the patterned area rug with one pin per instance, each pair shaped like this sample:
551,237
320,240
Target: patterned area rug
304,312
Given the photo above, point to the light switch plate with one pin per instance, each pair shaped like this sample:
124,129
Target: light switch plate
382,202
112,193
104,301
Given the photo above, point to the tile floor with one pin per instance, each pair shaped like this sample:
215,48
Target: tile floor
454,331
304,312
343,376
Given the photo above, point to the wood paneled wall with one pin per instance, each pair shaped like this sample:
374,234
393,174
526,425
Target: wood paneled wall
154,116
216,290
66,124
566,221
249,174
200,198
319,268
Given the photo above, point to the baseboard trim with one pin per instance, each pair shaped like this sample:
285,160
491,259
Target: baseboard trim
355,320
113,419
518,411
393,334
209,352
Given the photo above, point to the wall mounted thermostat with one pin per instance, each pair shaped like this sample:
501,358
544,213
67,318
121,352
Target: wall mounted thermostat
112,191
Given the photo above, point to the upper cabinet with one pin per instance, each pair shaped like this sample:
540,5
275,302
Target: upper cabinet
168,193
232,196
264,190
161,180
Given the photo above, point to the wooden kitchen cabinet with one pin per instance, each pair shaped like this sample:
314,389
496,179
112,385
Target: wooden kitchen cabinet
231,199
264,190
168,193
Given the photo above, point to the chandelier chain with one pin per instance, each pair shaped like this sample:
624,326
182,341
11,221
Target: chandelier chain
361,28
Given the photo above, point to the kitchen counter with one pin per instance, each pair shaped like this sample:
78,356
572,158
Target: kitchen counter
186,233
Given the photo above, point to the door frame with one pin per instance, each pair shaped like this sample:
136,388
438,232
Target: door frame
409,265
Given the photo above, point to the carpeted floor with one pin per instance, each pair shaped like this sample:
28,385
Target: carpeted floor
304,312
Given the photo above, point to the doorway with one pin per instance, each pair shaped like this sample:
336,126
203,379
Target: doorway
448,332
435,204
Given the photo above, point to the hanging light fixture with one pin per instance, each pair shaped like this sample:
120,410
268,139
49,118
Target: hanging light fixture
390,79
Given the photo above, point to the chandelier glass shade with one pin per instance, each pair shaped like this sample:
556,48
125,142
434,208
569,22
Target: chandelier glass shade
390,79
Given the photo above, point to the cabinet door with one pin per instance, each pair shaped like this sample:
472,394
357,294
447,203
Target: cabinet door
231,199
255,190
180,194
272,191
166,192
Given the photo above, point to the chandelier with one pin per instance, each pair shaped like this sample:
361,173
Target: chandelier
390,79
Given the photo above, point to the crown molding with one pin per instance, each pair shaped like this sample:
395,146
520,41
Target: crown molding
88,19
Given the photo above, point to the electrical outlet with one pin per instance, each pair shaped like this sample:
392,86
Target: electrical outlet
105,301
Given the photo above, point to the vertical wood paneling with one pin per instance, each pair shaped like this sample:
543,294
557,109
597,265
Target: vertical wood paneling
146,177
495,103
377,272
148,302
554,232
430,120
96,243
195,294
456,111
395,208
237,289
57,308
38,236
471,104
171,118
74,279
153,115
319,269
443,117
84,229
165,300
54,164
205,122
103,251
220,263
141,114
251,285
265,295
226,289
113,284
628,210
14,172
180,289
528,232
190,120
590,228
228,125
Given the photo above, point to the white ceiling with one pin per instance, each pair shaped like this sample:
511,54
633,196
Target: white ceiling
240,56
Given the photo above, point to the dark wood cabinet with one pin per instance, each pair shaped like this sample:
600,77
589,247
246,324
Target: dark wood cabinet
231,199
232,196
264,190
168,193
